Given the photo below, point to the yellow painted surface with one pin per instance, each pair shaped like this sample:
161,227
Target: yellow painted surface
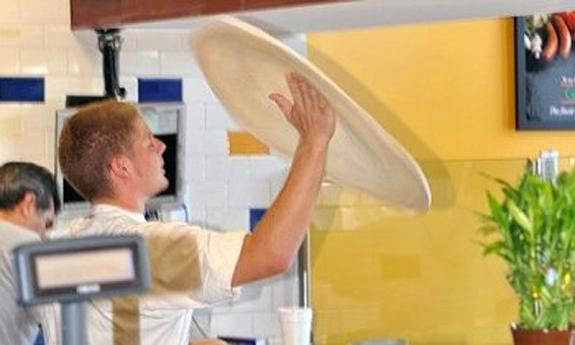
243,143
378,274
446,91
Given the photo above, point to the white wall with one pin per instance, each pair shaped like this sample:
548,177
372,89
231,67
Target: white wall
35,40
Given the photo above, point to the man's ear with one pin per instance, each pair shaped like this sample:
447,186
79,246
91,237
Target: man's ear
28,205
119,167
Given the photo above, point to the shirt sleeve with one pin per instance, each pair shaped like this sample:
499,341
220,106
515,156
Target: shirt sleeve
191,267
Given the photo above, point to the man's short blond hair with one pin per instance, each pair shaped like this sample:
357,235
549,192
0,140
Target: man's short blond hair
90,139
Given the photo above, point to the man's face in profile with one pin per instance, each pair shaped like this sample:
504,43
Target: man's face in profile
146,157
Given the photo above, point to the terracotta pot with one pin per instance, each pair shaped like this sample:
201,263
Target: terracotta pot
541,337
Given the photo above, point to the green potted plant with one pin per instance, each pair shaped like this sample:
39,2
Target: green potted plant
532,228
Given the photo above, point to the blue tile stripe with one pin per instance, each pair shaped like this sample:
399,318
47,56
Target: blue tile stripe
159,90
255,215
13,89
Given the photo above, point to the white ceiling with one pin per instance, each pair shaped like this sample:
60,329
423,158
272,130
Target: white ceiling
366,13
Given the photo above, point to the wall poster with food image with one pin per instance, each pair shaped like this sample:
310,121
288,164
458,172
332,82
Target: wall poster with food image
545,71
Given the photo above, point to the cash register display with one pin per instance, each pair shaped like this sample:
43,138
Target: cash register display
90,267
70,270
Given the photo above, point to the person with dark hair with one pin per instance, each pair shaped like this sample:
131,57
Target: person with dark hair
110,156
28,205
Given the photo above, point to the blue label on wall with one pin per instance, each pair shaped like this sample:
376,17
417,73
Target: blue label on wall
159,90
21,89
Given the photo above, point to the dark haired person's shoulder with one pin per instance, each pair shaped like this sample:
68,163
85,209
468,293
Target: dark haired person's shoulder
12,235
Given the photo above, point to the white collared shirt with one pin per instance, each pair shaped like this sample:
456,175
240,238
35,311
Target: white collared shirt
209,258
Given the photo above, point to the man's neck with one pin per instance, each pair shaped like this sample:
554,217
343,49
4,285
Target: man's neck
129,204
12,217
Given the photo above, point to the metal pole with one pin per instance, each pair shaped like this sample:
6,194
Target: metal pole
110,43
303,274
74,323
304,279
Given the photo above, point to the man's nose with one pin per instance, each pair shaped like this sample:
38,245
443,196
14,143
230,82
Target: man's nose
161,147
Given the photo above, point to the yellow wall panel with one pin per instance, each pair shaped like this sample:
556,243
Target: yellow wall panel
446,92
243,143
419,277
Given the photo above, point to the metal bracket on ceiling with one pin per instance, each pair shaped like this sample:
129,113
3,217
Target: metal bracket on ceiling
110,43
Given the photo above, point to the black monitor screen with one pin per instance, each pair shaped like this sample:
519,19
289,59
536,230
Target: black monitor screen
170,158
170,165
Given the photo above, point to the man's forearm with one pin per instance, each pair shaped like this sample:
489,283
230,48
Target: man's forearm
277,237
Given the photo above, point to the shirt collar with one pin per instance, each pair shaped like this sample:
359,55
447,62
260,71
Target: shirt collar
103,209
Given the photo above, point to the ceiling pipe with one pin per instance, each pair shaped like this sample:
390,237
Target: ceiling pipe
109,44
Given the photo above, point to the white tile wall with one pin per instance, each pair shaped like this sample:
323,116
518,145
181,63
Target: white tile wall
267,166
253,192
196,168
217,117
35,39
141,62
216,142
49,61
195,142
196,116
209,194
197,90
227,218
60,36
197,214
57,87
163,41
217,168
10,10
84,60
52,11
130,83
179,63
11,124
21,35
239,168
10,61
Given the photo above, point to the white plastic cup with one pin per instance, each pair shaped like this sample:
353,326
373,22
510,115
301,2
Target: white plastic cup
295,325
